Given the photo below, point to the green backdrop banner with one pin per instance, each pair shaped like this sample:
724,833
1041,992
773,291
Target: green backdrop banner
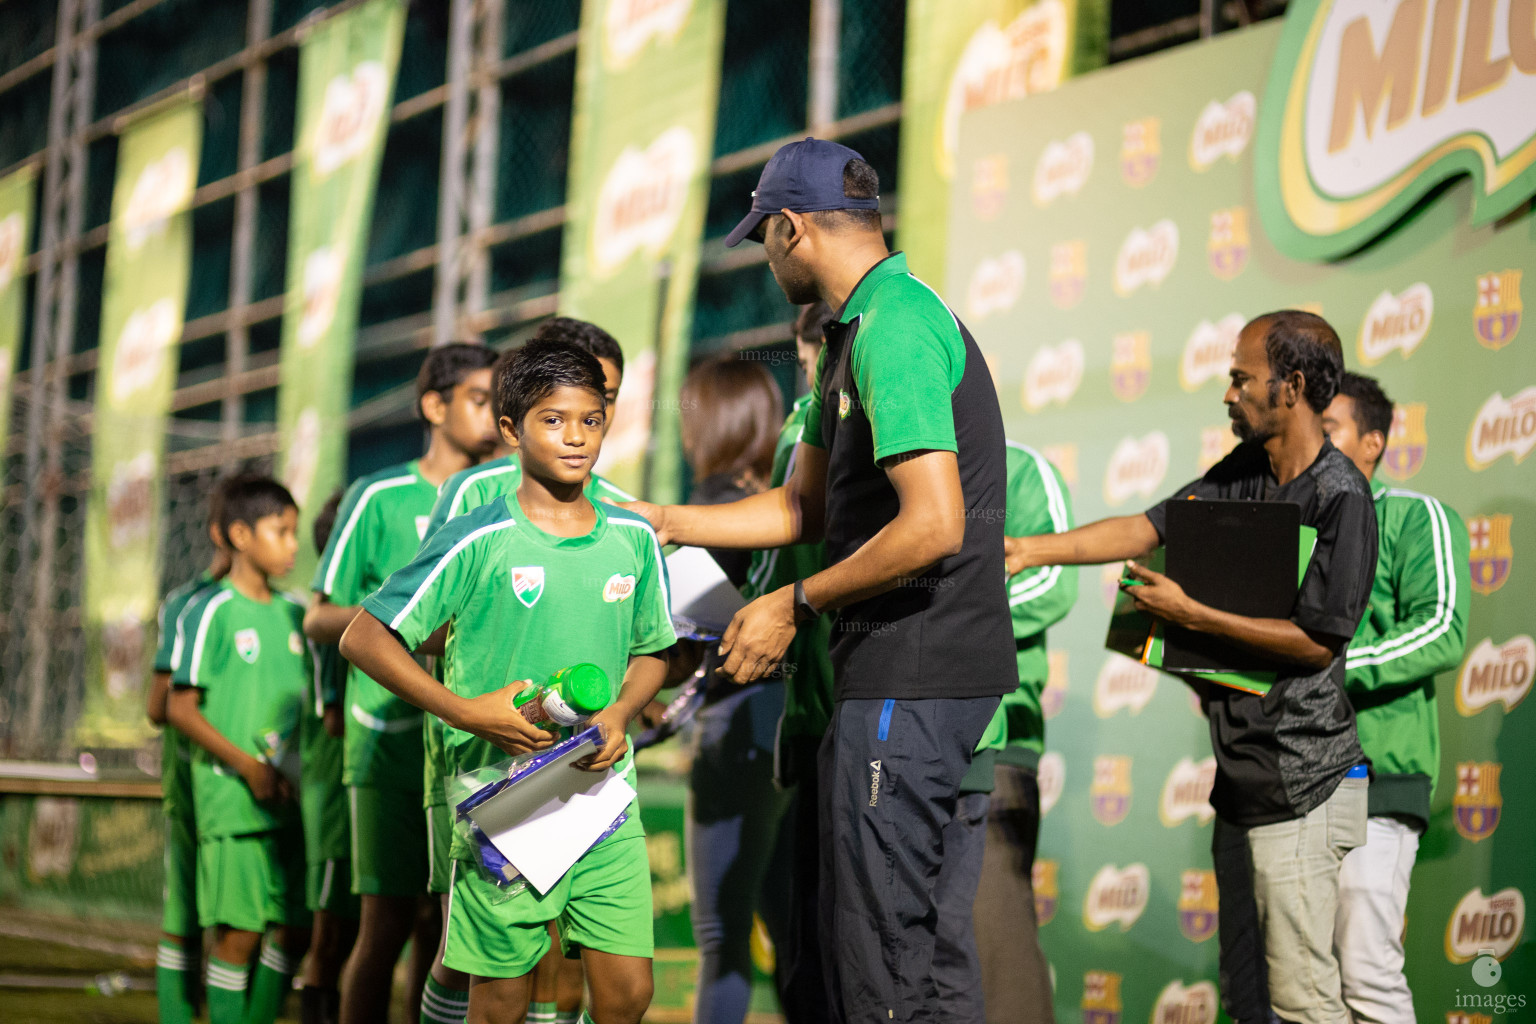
142,305
346,80
647,83
1105,249
16,194
964,55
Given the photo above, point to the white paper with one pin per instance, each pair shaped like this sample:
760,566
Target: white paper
703,598
544,823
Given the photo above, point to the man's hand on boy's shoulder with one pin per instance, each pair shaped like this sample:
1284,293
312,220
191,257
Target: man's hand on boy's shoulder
613,719
492,717
656,515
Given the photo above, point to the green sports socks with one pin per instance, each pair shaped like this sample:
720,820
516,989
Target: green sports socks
541,1013
174,981
226,992
443,1005
270,984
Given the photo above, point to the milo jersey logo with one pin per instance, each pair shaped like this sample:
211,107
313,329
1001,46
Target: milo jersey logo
1372,103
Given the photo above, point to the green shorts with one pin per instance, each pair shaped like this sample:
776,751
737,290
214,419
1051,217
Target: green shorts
252,881
328,887
439,833
602,903
389,842
179,904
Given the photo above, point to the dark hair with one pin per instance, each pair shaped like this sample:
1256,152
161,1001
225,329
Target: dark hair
811,321
249,498
731,411
216,508
1372,407
860,181
325,520
446,366
1296,341
525,375
586,336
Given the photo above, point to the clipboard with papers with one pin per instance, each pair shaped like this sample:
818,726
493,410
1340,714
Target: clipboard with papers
704,600
1205,544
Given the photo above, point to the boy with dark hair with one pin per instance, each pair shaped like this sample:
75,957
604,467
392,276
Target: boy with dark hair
327,824
180,950
1414,629
509,579
240,668
382,520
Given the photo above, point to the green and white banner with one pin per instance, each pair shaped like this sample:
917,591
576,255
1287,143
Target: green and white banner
963,55
647,83
16,191
346,81
144,297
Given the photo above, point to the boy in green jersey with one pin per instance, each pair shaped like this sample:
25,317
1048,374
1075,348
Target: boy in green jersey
327,822
180,952
241,669
1414,629
558,983
510,579
382,520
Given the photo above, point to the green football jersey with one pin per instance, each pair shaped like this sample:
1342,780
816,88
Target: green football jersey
521,604
323,798
251,663
175,752
379,526
465,491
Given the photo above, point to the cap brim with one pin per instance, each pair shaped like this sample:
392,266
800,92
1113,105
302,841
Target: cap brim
748,225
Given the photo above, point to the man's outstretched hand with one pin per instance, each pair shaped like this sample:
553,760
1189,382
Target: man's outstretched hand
759,634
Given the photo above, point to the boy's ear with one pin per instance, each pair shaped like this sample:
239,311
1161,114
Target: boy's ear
508,429
240,535
434,408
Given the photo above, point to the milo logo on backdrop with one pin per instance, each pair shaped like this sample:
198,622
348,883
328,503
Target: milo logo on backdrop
628,25
1372,103
642,198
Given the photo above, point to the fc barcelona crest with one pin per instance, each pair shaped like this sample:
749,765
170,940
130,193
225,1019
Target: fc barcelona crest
528,584
989,186
1141,149
1407,441
1228,245
1477,803
1111,789
1492,555
1069,273
1130,365
1101,997
1497,313
1198,905
1043,879
1467,1018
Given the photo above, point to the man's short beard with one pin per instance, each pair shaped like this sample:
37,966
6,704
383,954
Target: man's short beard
797,282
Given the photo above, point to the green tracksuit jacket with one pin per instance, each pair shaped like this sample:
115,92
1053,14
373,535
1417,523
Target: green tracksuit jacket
1416,627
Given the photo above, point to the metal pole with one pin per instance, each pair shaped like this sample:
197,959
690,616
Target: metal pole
482,193
461,15
821,97
1207,18
253,94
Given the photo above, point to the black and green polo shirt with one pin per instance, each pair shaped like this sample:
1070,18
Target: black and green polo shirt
900,373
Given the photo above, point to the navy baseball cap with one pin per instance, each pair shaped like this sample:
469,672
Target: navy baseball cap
804,177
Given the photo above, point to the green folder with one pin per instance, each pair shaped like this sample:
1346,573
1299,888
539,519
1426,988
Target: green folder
1138,635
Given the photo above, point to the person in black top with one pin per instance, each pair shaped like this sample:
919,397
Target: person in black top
1290,792
903,468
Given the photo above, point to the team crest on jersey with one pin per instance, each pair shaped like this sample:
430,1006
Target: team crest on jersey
1130,365
1101,997
1110,792
1141,149
844,405
989,186
1477,803
528,584
1043,879
1198,905
1496,674
421,526
248,645
1054,697
1492,554
1497,313
1229,242
1069,272
295,643
618,588
1407,441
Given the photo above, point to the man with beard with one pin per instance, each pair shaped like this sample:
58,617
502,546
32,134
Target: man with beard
1290,793
902,467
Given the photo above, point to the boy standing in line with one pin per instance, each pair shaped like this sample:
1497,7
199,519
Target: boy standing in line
180,952
241,668
510,578
383,518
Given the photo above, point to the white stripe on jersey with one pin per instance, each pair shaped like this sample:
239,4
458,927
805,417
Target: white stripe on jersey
357,513
1445,595
442,563
202,631
661,571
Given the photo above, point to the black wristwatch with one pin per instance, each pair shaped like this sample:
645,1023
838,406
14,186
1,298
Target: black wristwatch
804,610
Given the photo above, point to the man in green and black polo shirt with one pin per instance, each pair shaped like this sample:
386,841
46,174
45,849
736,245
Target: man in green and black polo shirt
902,469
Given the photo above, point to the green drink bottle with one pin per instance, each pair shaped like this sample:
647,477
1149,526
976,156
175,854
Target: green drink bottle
568,697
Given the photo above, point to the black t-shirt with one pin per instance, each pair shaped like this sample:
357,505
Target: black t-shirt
1281,755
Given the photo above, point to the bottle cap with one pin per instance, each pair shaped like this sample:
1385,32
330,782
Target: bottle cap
585,687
